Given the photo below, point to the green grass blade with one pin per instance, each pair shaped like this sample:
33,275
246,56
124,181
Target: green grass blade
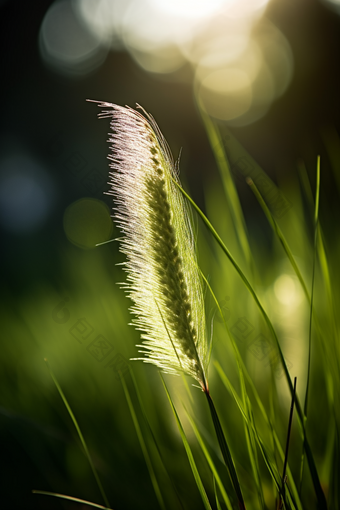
188,452
140,400
315,478
320,243
323,263
305,184
226,454
218,239
251,446
71,498
283,486
331,141
143,447
212,466
244,372
228,184
270,464
316,223
319,246
186,386
329,349
245,166
326,278
291,486
279,234
81,437
245,281
218,504
321,256
334,489
246,401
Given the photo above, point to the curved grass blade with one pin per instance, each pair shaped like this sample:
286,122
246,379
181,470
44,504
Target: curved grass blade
279,234
283,487
218,504
316,223
250,438
320,249
188,452
153,435
334,489
315,477
225,451
247,405
71,498
302,416
143,447
212,466
244,372
219,432
81,437
270,464
331,142
330,357
228,184
320,246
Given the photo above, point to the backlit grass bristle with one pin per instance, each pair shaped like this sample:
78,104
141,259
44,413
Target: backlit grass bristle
163,279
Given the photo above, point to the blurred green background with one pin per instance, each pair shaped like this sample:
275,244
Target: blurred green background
268,73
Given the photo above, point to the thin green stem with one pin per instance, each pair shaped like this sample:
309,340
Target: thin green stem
190,456
71,498
228,184
81,437
283,487
316,223
225,451
143,447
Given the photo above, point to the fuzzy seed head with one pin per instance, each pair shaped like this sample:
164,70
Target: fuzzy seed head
163,279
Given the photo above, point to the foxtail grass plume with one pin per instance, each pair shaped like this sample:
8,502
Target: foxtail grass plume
163,278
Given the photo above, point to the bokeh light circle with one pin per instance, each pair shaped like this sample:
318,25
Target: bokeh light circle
266,65
27,194
226,93
190,8
287,290
87,222
66,45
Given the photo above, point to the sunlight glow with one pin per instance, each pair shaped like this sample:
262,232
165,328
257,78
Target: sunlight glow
334,5
226,93
286,291
217,40
66,45
265,58
190,8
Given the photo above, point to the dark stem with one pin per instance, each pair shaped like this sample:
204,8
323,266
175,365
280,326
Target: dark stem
225,451
283,490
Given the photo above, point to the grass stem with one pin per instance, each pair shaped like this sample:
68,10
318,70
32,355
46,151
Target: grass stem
225,451
283,487
81,437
